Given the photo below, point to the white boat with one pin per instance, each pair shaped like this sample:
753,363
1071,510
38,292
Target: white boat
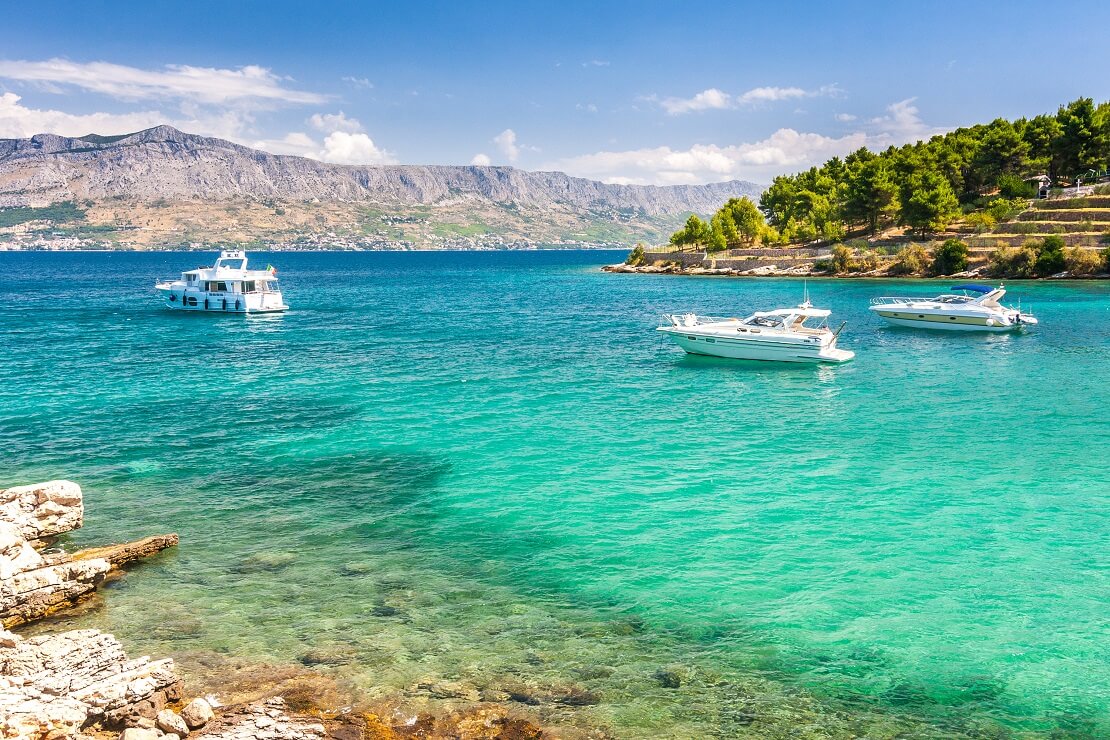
975,308
780,335
225,287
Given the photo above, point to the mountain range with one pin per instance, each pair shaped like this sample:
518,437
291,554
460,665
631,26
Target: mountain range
162,187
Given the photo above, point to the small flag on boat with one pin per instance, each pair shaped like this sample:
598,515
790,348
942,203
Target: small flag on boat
271,269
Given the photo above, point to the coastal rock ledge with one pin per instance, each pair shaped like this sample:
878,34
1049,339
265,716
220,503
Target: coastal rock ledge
34,584
53,686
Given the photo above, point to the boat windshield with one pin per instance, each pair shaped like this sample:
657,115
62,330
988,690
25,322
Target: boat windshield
767,321
231,263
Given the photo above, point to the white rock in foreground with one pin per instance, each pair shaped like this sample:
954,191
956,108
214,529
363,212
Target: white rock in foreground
51,686
43,509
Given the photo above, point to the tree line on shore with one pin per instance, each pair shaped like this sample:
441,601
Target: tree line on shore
977,173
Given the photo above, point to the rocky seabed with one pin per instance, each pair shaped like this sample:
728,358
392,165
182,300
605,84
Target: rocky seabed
81,685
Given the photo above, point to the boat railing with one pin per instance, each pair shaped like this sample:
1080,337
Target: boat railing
676,319
900,300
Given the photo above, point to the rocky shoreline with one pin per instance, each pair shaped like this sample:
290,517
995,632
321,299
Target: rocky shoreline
806,271
81,685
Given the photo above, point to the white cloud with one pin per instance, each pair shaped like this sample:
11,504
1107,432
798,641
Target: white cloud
341,147
20,121
588,107
338,147
361,82
714,99
705,100
481,160
207,85
903,123
770,95
506,142
595,63
784,151
329,122
845,117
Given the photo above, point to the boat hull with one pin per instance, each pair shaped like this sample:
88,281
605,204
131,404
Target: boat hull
944,322
757,349
244,304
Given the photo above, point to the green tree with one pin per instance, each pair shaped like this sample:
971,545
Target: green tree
695,233
872,194
1040,133
1080,143
950,257
1003,151
931,205
746,217
1050,257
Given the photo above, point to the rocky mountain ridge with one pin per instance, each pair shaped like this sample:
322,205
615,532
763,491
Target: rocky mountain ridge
164,163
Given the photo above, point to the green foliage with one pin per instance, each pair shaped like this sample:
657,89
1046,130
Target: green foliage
981,221
1079,261
1013,262
63,212
695,233
922,185
931,204
950,257
1012,186
841,259
1050,257
636,256
872,194
911,260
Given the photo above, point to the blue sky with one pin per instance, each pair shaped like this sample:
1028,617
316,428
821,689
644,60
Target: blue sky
646,92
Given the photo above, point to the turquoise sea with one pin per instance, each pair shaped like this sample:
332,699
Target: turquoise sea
486,469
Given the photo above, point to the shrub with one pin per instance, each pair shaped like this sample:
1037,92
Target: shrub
1025,228
841,258
823,265
1012,262
869,260
981,221
1080,261
1050,257
1012,186
636,256
1104,239
1106,259
912,260
950,257
1003,209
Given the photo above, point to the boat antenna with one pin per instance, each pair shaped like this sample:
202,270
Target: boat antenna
805,295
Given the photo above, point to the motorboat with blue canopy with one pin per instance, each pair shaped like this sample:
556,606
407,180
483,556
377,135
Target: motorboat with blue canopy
975,308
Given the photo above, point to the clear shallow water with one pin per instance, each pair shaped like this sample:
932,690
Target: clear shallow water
486,468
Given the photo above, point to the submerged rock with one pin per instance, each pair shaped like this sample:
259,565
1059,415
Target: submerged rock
673,676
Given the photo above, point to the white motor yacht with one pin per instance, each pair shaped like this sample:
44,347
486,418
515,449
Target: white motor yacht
975,308
780,335
225,287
